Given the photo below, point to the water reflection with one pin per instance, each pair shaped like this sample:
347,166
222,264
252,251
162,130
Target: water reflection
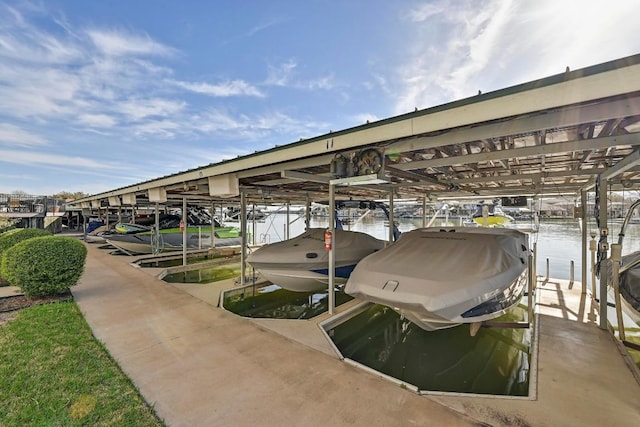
275,302
164,263
205,275
495,361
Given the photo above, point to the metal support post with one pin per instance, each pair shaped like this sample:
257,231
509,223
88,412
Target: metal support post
572,272
254,228
530,288
535,262
616,255
156,231
391,217
184,232
213,225
243,244
547,276
583,218
603,248
286,228
307,214
592,249
332,259
424,212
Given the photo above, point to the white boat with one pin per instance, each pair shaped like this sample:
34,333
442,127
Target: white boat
442,277
301,264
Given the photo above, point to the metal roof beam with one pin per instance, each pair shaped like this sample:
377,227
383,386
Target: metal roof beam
564,117
525,176
560,147
302,176
623,165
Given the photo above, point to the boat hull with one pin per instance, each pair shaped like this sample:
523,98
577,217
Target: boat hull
170,240
304,280
301,264
493,220
440,278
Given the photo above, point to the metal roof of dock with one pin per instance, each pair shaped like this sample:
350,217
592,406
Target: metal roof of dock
551,136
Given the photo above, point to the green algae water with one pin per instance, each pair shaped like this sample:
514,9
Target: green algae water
205,275
277,303
173,262
633,336
496,361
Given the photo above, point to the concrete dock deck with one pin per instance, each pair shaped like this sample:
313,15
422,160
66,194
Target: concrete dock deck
199,365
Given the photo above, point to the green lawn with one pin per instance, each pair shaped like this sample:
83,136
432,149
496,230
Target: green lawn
53,372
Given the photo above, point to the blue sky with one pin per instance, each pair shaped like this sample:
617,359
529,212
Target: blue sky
96,95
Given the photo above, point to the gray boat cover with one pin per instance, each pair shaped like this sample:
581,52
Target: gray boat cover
441,272
630,282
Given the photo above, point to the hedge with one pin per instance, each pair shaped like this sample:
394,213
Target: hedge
17,235
44,265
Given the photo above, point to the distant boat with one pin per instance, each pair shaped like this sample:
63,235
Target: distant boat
141,239
442,277
495,215
301,264
232,214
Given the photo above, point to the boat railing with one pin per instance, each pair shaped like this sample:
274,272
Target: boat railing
626,221
265,238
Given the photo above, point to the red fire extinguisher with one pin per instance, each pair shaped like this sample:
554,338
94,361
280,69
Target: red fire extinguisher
181,225
328,240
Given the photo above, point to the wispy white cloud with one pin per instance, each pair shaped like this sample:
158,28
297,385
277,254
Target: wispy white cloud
164,128
31,157
284,74
136,109
13,135
23,42
123,43
324,83
228,88
97,120
254,128
457,43
280,75
261,27
462,47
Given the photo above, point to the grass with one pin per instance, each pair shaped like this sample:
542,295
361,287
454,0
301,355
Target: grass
53,372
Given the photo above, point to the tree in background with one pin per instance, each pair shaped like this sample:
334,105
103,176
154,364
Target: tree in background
67,195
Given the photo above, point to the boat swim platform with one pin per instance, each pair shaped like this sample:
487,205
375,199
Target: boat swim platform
199,365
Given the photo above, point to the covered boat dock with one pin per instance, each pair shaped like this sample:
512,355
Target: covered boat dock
568,134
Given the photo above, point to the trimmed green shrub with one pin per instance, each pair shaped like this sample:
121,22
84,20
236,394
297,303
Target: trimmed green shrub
17,235
44,265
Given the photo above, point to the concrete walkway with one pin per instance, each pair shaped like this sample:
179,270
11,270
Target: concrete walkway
201,366
10,291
